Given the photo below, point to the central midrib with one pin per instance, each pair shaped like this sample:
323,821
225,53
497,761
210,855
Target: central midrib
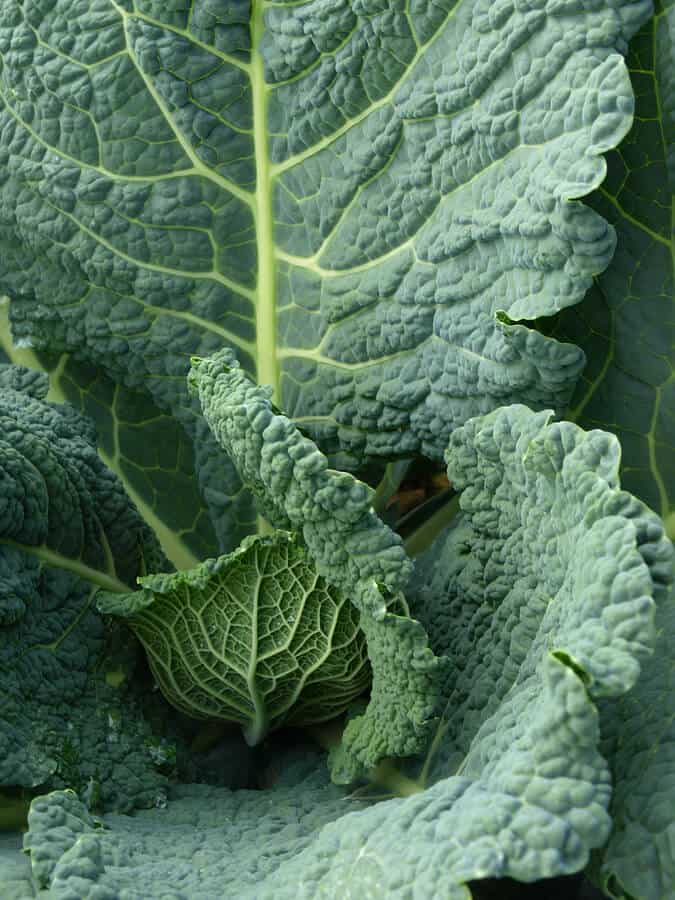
266,362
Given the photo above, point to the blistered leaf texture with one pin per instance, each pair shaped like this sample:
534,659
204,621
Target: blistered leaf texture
57,494
514,784
148,449
348,544
627,328
256,637
346,193
548,549
152,455
639,739
228,842
295,488
317,844
68,717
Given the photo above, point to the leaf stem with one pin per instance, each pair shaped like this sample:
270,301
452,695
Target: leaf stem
391,481
424,536
266,313
386,775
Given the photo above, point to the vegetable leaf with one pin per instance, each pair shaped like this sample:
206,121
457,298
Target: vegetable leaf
364,205
627,327
639,739
256,637
147,449
534,491
517,786
347,199
350,547
550,565
70,850
65,519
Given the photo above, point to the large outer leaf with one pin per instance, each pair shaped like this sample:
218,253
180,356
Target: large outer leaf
59,501
626,324
627,327
147,449
208,843
549,556
348,204
550,562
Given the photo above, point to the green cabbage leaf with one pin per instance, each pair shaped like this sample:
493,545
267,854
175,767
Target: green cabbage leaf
626,324
368,201
256,637
70,714
345,544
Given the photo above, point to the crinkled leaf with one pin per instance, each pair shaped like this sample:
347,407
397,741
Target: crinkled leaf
639,739
626,325
153,456
151,453
517,786
208,842
627,328
541,596
68,716
347,194
57,495
350,547
256,637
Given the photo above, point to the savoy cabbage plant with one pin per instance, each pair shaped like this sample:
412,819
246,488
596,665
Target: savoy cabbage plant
263,261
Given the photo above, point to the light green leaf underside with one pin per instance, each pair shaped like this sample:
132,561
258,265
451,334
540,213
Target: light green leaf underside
348,205
626,325
349,546
256,637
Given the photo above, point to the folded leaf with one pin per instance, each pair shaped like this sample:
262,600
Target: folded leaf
346,193
349,546
626,325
